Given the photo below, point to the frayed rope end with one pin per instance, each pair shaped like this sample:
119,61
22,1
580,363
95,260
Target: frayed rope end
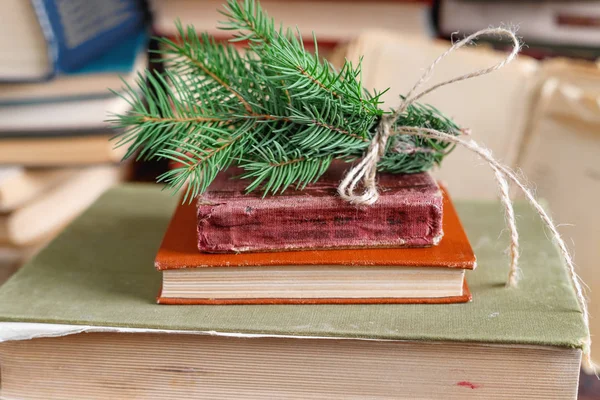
513,277
587,364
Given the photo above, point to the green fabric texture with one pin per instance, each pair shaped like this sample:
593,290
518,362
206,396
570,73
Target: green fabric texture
100,272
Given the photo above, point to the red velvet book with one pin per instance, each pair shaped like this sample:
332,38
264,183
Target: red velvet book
414,275
408,214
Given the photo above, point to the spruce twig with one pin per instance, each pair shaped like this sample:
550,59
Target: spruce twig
277,111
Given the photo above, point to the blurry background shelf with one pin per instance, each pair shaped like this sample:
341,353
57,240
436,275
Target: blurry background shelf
55,153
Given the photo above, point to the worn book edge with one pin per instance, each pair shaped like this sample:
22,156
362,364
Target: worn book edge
11,331
465,297
178,249
227,215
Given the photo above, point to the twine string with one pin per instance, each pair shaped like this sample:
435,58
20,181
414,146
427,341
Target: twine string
376,150
365,172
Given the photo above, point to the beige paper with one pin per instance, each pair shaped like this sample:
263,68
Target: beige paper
561,160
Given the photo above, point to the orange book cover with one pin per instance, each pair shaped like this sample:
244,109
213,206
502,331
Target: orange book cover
179,250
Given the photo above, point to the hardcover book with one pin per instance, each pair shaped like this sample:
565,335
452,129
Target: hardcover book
67,198
415,275
19,185
408,214
60,117
567,23
67,150
45,37
518,343
121,65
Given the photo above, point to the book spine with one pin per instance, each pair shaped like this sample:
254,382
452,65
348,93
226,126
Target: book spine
572,23
78,31
274,224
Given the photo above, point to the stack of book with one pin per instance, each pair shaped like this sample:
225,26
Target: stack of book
311,246
298,295
93,328
55,154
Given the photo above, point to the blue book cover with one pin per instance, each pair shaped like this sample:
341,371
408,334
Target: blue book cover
119,59
80,30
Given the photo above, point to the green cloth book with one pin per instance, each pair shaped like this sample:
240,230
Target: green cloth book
98,276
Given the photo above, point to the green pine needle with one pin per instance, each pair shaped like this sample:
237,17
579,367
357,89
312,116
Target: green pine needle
277,111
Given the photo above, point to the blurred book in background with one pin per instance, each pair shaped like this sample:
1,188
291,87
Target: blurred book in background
55,153
119,64
54,205
66,149
49,37
560,154
331,21
549,28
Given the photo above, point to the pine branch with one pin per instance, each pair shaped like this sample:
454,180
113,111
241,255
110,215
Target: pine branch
208,65
410,154
202,157
276,169
279,112
307,78
327,129
251,22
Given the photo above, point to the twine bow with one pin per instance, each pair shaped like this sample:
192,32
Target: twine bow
365,172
